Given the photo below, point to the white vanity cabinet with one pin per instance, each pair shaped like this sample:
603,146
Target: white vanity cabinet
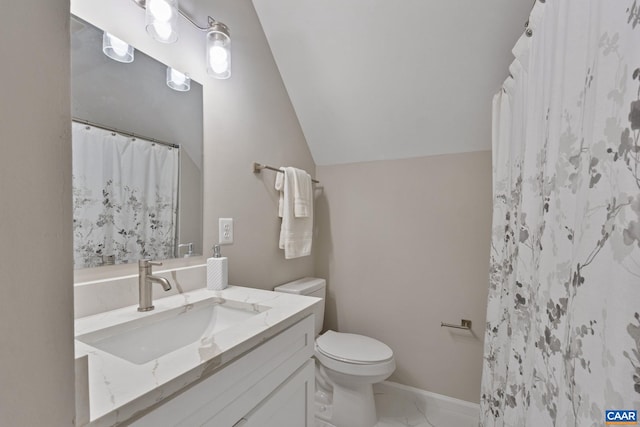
271,385
290,405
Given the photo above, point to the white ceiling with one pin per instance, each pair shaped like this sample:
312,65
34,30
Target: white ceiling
382,79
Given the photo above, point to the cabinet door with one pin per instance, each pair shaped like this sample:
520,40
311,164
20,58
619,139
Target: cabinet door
290,405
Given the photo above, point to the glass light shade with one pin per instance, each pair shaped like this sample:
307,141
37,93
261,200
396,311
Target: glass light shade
116,49
161,20
177,80
219,51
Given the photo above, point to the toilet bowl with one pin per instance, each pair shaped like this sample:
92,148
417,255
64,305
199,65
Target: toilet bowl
347,366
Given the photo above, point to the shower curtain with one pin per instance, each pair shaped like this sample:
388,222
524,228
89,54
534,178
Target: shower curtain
562,341
125,197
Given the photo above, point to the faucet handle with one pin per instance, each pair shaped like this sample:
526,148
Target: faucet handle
145,262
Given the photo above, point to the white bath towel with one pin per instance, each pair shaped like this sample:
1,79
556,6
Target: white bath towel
296,232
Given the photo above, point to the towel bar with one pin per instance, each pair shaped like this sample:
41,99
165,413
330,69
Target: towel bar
464,324
257,168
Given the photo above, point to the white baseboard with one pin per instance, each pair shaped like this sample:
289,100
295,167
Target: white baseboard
430,400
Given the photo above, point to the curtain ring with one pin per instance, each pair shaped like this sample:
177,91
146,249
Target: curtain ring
529,32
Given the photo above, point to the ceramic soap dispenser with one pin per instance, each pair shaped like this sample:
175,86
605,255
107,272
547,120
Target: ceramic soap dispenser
217,271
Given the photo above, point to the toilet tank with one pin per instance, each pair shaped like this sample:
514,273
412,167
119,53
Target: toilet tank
311,287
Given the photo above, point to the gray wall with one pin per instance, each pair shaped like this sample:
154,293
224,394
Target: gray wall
36,306
404,245
247,118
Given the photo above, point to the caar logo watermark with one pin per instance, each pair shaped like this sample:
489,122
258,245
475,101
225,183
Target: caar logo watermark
621,417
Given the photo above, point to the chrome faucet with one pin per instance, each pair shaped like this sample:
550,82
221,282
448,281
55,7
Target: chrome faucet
145,279
189,247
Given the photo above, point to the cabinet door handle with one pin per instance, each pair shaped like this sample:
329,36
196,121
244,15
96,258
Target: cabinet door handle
240,423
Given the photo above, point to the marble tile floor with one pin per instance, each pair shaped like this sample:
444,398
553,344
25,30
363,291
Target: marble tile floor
399,408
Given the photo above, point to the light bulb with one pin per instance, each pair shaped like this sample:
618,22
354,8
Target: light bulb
116,49
118,46
218,55
218,51
163,30
161,20
178,77
160,9
220,67
177,80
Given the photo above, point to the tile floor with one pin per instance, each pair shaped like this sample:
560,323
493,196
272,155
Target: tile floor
401,408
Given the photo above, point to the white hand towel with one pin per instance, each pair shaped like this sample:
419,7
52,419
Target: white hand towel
303,194
280,187
295,233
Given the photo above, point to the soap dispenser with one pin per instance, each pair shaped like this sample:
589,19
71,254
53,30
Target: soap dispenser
217,271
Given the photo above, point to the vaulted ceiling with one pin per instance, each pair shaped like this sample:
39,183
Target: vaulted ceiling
381,79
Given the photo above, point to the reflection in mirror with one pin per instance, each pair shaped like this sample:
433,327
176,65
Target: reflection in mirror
137,157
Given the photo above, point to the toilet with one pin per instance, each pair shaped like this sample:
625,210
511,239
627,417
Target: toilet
347,366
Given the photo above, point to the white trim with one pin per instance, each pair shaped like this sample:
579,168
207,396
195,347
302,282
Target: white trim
431,399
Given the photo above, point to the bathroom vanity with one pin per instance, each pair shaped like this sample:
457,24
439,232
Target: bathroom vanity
236,357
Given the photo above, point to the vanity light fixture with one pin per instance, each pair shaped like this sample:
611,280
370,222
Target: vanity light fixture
177,80
116,49
161,23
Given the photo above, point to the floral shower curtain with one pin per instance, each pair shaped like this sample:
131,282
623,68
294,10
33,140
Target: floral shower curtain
562,343
125,198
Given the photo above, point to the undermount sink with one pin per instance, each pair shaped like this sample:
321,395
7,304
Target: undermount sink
156,334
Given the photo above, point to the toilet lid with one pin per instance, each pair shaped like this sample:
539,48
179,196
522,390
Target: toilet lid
353,348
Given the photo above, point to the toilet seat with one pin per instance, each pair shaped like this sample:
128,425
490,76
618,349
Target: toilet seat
354,355
353,348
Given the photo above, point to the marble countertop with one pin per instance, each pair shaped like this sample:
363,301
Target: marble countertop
120,390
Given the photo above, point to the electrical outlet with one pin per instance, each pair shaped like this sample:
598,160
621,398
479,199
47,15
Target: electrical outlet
225,231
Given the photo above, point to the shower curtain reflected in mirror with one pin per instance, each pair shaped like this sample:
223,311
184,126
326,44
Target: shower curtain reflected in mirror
125,197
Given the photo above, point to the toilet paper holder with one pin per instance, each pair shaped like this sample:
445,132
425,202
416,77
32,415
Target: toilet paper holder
464,324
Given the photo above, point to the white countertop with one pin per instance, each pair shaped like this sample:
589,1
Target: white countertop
119,390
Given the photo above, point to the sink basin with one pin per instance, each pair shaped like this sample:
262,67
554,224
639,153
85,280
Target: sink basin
154,335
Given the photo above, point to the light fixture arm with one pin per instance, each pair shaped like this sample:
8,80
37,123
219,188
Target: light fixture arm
210,21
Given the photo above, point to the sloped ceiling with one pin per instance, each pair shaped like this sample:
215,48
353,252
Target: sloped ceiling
390,79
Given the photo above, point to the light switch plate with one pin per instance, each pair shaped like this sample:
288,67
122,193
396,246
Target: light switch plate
225,231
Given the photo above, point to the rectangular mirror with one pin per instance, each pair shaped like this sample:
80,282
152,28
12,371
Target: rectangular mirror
137,156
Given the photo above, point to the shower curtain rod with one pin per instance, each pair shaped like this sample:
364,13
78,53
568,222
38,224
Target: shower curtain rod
122,132
257,167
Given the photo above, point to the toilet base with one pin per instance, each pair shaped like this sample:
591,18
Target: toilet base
338,405
353,406
360,415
